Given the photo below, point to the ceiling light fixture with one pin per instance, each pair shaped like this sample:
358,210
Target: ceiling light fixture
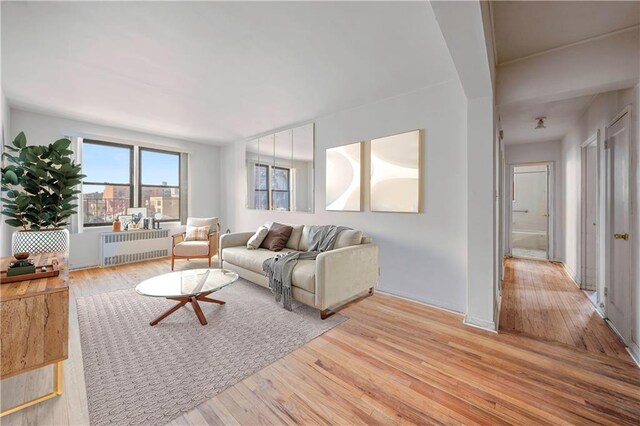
540,124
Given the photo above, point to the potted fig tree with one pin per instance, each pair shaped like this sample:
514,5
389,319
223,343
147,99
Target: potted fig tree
39,194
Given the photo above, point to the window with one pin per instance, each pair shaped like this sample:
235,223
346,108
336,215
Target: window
160,183
109,188
107,191
272,187
262,186
280,192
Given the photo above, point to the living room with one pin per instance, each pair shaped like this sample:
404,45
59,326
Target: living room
284,212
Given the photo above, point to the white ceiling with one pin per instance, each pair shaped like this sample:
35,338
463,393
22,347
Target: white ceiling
519,123
215,72
523,28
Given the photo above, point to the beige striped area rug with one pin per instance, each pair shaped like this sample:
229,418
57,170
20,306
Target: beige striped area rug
137,374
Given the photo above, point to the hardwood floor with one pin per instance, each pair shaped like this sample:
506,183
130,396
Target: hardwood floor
541,301
392,362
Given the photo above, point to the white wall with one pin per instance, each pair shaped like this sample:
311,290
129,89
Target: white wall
204,171
603,64
597,117
544,152
422,256
6,138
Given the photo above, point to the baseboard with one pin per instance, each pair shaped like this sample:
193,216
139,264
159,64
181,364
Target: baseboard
480,323
634,351
424,301
574,277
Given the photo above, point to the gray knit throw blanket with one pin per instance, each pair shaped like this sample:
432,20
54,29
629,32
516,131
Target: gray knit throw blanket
280,268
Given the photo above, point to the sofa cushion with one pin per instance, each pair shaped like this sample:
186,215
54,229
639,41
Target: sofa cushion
294,240
348,237
257,238
303,275
191,248
277,237
304,238
247,259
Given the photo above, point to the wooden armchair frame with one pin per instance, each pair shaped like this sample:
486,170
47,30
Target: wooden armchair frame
214,238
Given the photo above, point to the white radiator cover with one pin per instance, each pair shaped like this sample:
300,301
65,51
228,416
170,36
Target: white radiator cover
133,246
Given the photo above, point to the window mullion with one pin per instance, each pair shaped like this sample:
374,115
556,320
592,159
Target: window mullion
135,177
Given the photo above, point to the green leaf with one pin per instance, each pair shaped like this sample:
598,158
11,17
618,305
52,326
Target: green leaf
10,177
20,141
62,145
14,222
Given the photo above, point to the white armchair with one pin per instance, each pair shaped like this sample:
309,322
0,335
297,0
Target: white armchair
181,249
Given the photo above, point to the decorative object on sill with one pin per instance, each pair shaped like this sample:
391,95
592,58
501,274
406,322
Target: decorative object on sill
137,215
344,178
156,220
117,225
124,221
39,195
396,173
145,223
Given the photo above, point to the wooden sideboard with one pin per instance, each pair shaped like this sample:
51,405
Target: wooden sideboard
34,326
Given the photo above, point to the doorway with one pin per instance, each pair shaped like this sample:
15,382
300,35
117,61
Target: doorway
617,293
530,211
589,217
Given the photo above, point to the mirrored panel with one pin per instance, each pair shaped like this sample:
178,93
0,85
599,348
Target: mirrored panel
280,171
396,173
344,178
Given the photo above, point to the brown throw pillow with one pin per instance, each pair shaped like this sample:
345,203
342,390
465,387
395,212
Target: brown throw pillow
277,237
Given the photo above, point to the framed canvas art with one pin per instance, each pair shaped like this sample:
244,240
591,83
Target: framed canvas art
344,178
396,173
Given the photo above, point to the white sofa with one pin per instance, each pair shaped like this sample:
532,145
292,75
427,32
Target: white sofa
334,278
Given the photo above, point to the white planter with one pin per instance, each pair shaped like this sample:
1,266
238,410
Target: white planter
34,242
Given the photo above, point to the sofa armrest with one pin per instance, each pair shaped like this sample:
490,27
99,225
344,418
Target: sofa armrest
343,273
234,239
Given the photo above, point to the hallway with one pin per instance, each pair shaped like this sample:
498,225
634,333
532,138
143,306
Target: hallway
539,300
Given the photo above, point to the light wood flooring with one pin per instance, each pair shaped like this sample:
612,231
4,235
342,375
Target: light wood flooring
392,362
541,301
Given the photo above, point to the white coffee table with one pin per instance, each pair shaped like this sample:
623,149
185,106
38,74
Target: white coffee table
191,286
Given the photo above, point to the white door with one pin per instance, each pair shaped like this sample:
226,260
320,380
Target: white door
618,289
590,207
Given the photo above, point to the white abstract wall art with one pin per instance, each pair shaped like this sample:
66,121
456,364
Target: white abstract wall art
344,178
395,163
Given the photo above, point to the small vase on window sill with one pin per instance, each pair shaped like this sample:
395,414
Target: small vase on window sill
117,225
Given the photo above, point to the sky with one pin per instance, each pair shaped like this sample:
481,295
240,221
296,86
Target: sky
111,164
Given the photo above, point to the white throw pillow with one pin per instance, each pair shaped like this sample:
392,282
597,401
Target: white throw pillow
257,238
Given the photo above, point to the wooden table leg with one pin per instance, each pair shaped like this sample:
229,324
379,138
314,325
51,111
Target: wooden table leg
204,298
169,312
198,311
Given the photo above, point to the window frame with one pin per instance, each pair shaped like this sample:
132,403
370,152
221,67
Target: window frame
256,190
179,187
131,176
288,190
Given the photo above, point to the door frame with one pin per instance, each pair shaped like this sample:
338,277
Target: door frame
609,222
593,139
550,205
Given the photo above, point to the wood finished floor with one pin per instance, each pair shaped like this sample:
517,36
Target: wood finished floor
393,362
541,301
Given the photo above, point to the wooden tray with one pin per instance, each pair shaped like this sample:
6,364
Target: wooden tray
53,270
